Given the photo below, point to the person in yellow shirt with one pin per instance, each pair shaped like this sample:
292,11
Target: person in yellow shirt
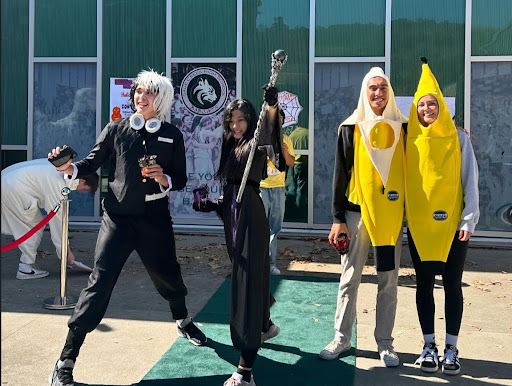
274,197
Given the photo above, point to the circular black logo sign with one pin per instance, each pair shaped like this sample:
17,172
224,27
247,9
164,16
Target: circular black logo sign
392,195
440,215
204,91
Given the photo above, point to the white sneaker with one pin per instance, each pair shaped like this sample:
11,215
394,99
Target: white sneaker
334,349
236,380
274,270
388,356
28,271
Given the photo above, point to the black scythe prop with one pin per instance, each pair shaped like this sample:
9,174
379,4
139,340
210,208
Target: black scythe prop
279,58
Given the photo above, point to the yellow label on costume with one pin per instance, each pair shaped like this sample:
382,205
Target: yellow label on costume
382,203
433,187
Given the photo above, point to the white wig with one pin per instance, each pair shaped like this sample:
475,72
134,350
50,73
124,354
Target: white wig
159,84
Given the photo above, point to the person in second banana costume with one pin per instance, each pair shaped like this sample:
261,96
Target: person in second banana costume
441,186
368,203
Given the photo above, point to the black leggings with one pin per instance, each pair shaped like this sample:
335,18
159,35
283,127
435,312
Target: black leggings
452,283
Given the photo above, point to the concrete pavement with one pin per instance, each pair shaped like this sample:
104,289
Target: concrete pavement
136,330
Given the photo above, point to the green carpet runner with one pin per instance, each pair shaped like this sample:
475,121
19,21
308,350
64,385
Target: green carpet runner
304,311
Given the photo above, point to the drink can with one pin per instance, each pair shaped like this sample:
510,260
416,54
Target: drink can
343,244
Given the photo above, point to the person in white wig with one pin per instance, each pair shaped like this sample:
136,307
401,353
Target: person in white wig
367,208
146,159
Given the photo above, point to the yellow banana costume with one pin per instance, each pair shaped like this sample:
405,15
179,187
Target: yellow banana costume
377,185
433,190
378,168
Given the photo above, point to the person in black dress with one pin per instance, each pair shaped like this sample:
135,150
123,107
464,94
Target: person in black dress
246,226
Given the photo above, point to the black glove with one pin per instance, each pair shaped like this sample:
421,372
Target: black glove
270,94
205,206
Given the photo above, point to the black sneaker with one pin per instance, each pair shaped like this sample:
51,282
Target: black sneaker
450,360
428,360
63,375
192,333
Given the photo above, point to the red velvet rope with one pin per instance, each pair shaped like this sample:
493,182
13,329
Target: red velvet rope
31,232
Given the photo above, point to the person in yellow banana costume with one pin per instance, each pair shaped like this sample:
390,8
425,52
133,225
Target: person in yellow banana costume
441,196
368,208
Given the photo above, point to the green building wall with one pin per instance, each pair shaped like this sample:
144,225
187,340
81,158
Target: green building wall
134,38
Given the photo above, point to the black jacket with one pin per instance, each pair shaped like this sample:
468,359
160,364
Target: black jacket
122,147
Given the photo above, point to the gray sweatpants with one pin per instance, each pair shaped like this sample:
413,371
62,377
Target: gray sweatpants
352,264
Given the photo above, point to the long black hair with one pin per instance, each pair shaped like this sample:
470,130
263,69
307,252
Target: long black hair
235,152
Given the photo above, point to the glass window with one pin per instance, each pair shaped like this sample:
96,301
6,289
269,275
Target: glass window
13,115
133,40
491,28
269,25
296,207
350,28
435,31
337,89
491,103
10,157
203,28
65,111
65,28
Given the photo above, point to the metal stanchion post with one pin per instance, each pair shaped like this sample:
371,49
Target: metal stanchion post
63,301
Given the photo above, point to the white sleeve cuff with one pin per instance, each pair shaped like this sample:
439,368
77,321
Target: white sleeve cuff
467,226
68,177
163,189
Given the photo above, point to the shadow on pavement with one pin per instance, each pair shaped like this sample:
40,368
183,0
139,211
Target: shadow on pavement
473,372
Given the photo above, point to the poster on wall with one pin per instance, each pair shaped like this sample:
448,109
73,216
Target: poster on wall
120,98
201,92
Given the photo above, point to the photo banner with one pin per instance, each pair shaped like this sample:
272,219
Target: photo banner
120,98
201,93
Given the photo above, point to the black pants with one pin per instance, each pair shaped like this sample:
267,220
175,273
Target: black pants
152,236
452,283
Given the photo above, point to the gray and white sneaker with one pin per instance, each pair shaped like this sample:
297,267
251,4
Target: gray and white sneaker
236,380
388,356
29,271
334,349
274,270
62,374
272,332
